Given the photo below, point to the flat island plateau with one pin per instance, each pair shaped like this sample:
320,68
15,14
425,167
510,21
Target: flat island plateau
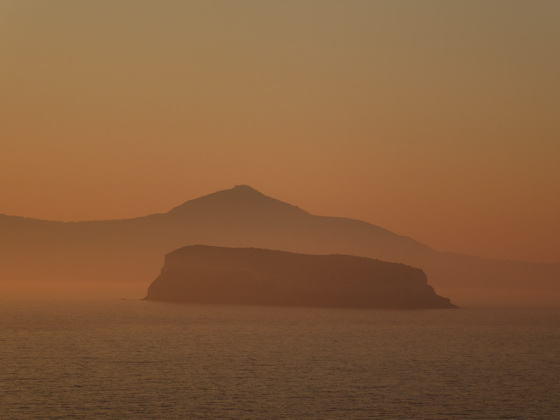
220,275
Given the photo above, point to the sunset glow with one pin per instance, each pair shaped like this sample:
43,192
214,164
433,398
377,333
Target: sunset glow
275,209
438,120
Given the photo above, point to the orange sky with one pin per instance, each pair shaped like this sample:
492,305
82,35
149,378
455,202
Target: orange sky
437,120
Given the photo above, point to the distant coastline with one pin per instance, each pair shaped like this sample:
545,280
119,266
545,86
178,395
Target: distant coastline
113,252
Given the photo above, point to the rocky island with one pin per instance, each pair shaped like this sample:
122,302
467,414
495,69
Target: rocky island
253,276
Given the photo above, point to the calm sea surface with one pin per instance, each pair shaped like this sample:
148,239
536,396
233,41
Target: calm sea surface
143,360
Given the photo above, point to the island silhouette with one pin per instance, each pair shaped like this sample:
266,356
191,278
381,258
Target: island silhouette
251,276
112,252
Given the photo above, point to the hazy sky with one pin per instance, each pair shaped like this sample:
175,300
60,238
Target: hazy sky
439,120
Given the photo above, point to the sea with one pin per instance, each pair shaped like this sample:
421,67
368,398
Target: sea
134,359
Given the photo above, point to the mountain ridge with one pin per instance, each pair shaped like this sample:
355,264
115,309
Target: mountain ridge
241,216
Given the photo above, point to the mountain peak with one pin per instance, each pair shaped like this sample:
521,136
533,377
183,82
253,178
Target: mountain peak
244,187
239,199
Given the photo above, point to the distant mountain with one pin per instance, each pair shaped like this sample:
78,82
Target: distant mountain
131,250
253,276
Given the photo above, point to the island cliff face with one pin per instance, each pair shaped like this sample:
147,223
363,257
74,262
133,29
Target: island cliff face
207,274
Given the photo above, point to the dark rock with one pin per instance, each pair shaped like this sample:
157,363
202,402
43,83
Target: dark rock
207,274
